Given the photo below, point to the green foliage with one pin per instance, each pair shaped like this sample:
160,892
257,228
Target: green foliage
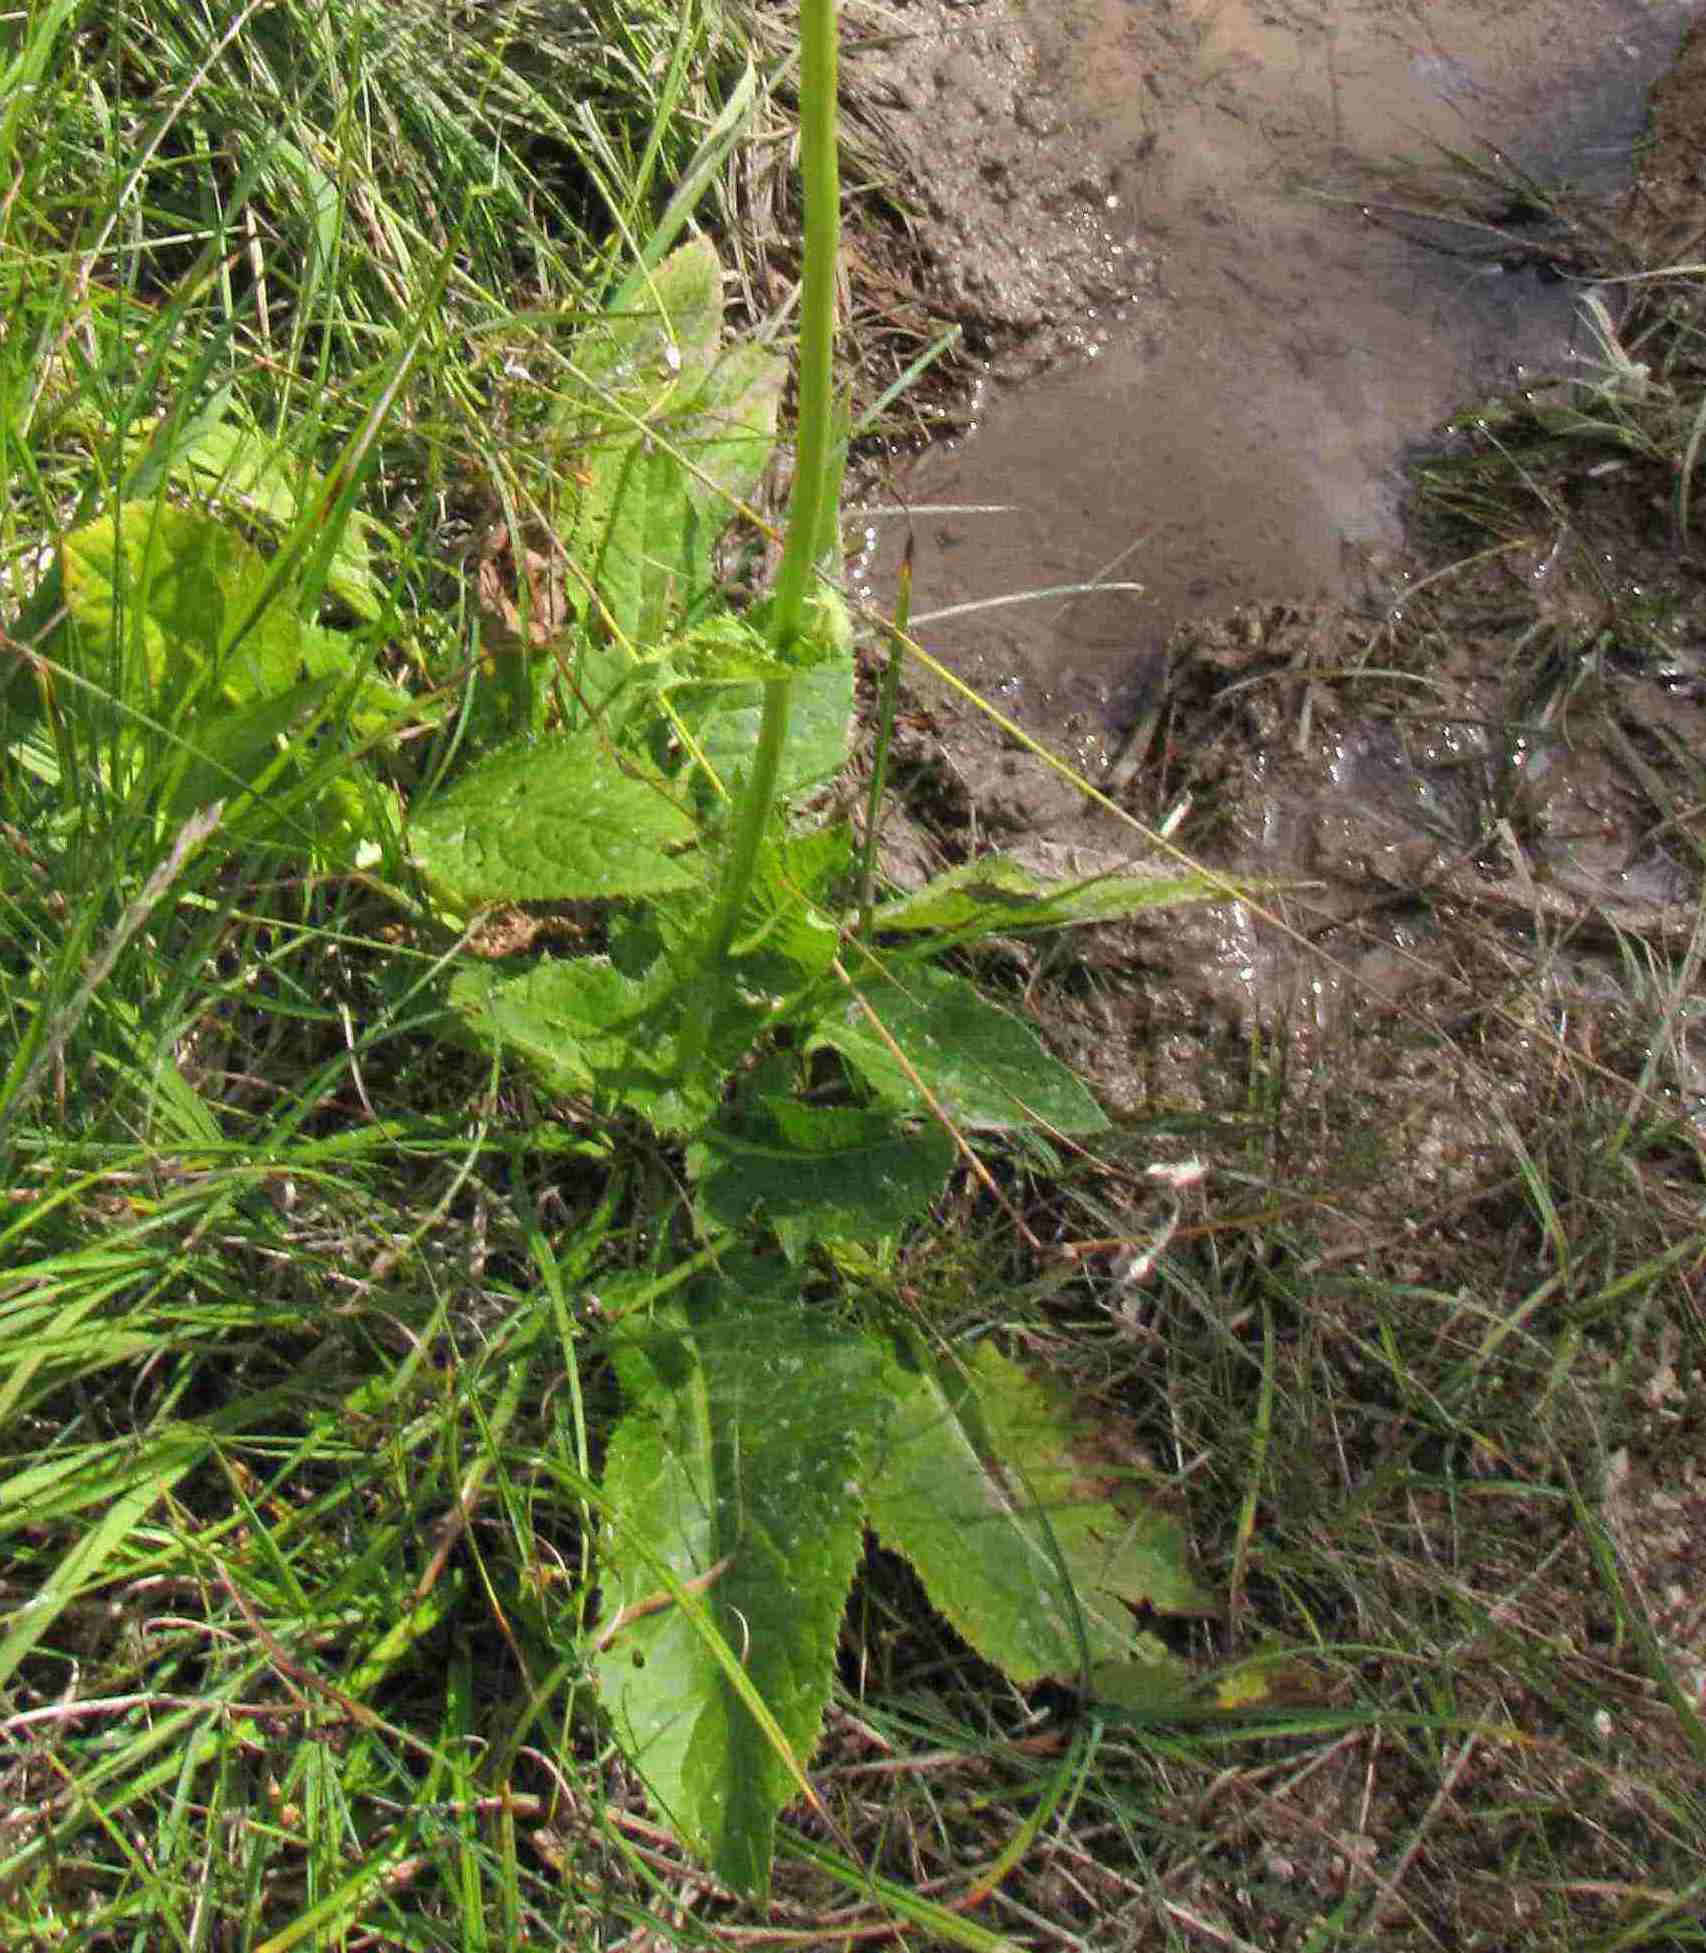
816,1172
821,1081
995,892
550,822
184,654
733,1494
976,1483
666,432
930,1032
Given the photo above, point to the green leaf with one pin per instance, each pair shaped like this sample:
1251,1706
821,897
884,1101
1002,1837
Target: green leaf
978,1486
997,895
187,606
567,1021
705,690
586,1029
179,597
788,933
242,471
229,750
665,438
550,821
787,936
983,1066
1136,1554
818,1172
820,714
731,1486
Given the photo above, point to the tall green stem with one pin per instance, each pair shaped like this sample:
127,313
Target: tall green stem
813,458
809,516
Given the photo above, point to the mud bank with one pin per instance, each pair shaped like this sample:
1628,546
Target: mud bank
1441,1075
1220,204
1426,766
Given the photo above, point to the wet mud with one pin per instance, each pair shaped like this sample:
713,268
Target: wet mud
1220,201
1439,785
1451,750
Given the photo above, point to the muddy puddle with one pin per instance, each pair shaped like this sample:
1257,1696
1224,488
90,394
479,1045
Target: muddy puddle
1234,428
1438,806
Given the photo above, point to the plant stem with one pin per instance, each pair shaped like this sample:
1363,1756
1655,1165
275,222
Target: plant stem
887,701
813,465
809,519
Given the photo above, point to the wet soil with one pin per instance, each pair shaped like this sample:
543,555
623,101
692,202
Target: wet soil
1450,748
1333,715
1224,205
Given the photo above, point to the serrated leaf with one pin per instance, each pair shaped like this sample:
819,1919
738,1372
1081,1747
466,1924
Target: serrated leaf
983,1066
666,436
1139,1554
585,1028
1035,1570
552,820
818,1172
998,894
788,935
735,1472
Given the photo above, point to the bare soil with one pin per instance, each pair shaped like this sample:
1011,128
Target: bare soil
1445,1063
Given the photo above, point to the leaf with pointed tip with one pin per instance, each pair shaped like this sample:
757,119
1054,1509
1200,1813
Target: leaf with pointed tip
978,1486
999,895
983,1066
731,1485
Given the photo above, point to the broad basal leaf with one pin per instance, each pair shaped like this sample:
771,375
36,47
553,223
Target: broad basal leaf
571,1022
818,1172
555,820
240,468
731,1486
998,894
674,323
978,1486
983,1066
182,599
185,602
